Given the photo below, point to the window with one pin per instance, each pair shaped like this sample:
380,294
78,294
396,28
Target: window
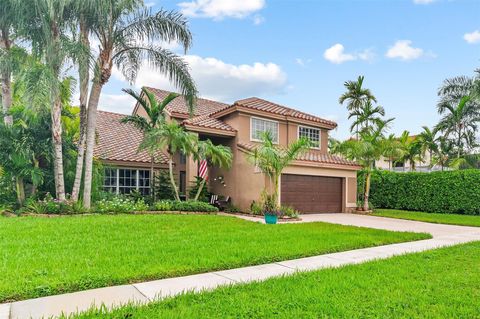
313,134
259,126
125,180
183,182
183,158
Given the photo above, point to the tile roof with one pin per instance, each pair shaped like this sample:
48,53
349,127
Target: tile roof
267,106
310,156
118,141
209,122
179,105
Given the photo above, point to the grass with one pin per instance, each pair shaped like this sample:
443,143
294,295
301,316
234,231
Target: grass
45,256
452,219
443,283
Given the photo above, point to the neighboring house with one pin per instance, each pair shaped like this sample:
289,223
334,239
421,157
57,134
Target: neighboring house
398,166
316,182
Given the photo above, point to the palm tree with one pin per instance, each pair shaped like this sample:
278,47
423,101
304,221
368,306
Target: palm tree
218,155
366,150
272,160
122,30
154,119
452,91
391,149
411,150
172,138
366,116
428,142
356,96
460,122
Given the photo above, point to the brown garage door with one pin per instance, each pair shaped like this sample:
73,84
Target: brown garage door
312,194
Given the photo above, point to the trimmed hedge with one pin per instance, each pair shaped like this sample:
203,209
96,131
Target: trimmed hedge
187,206
455,192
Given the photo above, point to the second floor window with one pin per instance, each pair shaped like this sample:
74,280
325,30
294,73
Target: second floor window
313,134
259,126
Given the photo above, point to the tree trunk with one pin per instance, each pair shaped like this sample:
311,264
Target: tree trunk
56,115
83,74
367,192
90,141
20,190
200,187
6,80
172,180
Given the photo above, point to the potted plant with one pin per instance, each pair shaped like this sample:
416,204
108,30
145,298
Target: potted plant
270,209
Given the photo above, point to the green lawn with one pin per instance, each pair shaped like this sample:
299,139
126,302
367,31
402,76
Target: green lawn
443,283
453,219
44,256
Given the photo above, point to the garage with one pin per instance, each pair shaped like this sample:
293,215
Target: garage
312,194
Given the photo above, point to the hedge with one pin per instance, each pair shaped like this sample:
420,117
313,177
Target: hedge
436,192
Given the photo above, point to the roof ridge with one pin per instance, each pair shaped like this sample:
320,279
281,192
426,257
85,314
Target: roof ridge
198,98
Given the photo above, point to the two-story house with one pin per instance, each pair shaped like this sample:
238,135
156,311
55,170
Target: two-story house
316,182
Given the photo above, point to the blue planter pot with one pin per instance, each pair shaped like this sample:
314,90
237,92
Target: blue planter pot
271,219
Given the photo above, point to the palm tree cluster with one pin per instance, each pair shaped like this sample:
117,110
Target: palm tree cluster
60,35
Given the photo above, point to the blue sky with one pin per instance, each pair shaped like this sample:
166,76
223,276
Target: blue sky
298,53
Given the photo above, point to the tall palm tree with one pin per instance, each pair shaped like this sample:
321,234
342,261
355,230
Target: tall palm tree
155,111
217,155
428,142
47,29
452,91
272,160
459,122
366,150
366,116
356,95
122,30
173,138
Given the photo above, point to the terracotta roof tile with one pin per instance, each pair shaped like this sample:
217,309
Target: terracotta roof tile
179,105
267,106
209,122
310,156
118,141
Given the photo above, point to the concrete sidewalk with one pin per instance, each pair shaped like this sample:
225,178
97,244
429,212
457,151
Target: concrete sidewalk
443,235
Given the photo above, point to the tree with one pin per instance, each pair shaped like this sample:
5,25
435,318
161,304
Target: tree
411,149
122,30
366,116
391,149
428,142
459,123
366,150
217,155
272,159
155,111
356,96
172,138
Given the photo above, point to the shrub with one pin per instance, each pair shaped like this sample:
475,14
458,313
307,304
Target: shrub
289,211
49,205
187,206
255,208
437,192
163,187
120,204
232,209
204,194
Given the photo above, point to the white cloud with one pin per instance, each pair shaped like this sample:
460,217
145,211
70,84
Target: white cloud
403,50
219,9
258,19
336,54
118,103
472,37
222,81
423,1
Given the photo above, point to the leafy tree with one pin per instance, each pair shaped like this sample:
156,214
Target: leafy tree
366,150
272,159
356,96
155,111
172,138
163,186
428,142
411,149
122,29
217,155
391,149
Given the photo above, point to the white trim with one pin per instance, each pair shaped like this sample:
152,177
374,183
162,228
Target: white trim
266,120
312,128
137,177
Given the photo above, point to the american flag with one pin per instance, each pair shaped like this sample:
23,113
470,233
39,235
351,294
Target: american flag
203,169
